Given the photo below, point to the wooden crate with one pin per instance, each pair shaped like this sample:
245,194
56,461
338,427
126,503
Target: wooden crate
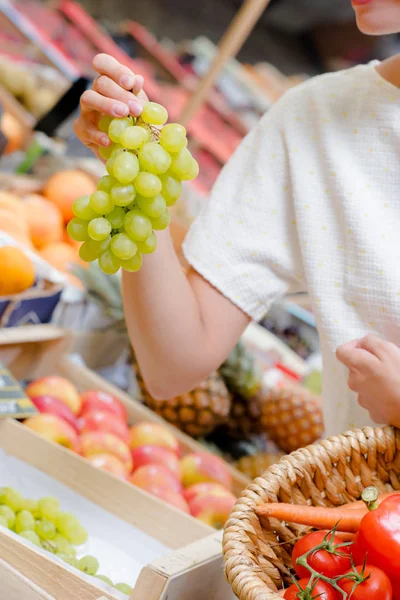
48,355
192,569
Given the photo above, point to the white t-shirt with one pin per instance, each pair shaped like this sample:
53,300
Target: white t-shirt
310,201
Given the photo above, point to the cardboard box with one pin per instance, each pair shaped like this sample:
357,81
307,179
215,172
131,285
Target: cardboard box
193,568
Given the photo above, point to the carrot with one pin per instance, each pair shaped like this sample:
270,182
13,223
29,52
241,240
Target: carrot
319,517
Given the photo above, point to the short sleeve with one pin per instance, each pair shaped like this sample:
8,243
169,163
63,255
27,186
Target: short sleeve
244,242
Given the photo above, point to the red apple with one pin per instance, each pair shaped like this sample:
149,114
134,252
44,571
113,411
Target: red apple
155,477
213,508
153,434
104,421
94,400
202,467
57,387
102,442
173,498
199,489
54,429
151,455
54,406
109,463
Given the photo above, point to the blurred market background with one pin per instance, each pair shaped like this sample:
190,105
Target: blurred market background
46,50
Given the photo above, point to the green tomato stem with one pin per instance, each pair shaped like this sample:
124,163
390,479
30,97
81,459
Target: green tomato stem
370,497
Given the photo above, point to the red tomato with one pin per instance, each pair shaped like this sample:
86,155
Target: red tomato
376,586
321,590
328,562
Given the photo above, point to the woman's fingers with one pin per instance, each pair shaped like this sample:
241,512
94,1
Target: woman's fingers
92,100
105,64
89,134
108,88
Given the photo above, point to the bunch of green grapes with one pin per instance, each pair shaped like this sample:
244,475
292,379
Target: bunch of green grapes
146,165
44,524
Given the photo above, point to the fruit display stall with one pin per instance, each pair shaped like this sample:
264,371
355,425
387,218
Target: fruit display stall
106,490
49,441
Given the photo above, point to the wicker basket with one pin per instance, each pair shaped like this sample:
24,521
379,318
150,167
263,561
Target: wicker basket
329,473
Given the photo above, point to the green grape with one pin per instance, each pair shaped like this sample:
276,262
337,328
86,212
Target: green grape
105,579
184,166
153,158
104,123
88,564
171,189
162,222
49,507
87,253
70,560
173,138
137,225
45,529
154,114
149,245
122,195
133,264
8,514
12,499
122,246
24,521
59,545
124,588
109,263
101,203
99,229
105,184
134,137
117,150
3,522
125,167
116,217
69,526
105,152
152,207
78,230
82,209
78,534
33,507
65,522
31,536
147,184
117,127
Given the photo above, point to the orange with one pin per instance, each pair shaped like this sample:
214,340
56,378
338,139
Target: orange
65,187
14,132
12,203
17,271
44,219
61,256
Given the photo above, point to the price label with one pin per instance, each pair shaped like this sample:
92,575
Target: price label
13,401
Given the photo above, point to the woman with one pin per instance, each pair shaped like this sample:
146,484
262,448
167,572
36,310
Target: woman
310,201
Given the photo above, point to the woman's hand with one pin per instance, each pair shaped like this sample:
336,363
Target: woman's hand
116,92
374,366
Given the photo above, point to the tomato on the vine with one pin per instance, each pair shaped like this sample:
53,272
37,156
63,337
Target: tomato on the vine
329,560
371,582
301,590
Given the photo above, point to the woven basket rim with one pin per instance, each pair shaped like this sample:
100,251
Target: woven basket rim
330,472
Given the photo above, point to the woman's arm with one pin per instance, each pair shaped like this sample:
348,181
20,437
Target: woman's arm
181,327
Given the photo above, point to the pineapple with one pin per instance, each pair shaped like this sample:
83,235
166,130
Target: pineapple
291,416
241,373
198,412
254,466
